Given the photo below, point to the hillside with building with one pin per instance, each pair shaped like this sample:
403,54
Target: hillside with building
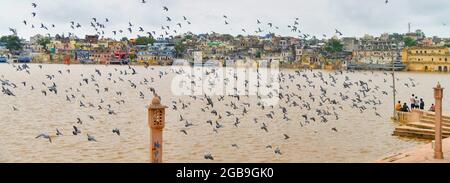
412,51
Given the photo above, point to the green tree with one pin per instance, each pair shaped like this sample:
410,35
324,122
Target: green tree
189,37
145,40
44,43
409,42
258,54
334,46
132,57
12,42
180,48
396,36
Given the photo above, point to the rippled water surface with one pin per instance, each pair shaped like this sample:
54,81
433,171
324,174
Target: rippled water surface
360,137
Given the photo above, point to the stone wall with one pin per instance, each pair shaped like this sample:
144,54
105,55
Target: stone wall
414,116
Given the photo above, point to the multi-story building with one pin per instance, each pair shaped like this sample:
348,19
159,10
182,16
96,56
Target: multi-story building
350,44
434,59
101,56
161,52
310,57
377,50
92,39
379,44
427,42
154,57
418,35
375,56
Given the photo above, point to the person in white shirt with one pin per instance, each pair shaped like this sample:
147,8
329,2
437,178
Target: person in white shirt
413,101
417,103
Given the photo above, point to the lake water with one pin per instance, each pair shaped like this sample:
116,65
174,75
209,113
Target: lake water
360,136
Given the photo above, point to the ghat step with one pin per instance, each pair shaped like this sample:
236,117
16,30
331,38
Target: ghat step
431,115
420,124
427,121
409,131
432,118
430,126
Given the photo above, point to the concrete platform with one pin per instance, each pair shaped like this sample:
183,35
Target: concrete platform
419,154
420,124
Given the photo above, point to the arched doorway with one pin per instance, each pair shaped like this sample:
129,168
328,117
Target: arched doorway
426,68
445,69
440,68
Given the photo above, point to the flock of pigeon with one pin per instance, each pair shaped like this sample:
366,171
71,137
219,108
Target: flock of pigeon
317,95
99,25
72,94
167,30
295,92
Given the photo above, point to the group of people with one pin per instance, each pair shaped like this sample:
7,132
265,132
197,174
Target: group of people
415,104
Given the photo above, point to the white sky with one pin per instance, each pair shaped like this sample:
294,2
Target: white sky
316,17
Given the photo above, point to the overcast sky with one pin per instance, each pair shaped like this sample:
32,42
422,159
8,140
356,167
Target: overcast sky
316,17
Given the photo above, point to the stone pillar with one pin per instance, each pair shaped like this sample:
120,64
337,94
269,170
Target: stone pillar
156,122
438,95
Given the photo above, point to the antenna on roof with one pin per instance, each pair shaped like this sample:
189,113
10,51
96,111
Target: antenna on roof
409,27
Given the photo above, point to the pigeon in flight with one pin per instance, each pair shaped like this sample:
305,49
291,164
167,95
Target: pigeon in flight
91,138
14,31
116,131
58,133
45,136
339,32
209,157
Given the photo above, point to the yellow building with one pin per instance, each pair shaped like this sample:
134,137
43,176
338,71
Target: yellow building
311,60
430,59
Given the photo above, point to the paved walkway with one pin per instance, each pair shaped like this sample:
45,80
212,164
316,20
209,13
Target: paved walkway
419,154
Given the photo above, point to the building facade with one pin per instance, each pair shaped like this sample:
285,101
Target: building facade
375,56
429,59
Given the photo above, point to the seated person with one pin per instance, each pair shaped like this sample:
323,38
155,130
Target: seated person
405,108
432,108
398,106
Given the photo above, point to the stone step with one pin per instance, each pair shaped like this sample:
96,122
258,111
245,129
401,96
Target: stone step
413,135
447,118
432,118
446,124
420,130
408,131
427,126
415,129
